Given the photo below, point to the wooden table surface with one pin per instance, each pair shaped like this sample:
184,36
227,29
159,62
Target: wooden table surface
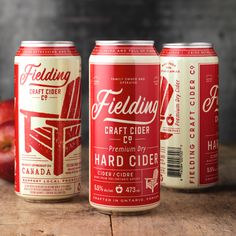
208,213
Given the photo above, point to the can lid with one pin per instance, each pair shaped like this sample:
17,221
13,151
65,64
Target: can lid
188,45
47,44
125,42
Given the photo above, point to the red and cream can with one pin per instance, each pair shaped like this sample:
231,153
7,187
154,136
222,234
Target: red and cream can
124,131
189,116
48,123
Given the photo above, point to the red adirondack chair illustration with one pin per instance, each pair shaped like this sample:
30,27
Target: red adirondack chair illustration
152,182
61,133
165,94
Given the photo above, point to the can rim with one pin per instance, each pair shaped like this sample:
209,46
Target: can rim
47,43
188,45
124,42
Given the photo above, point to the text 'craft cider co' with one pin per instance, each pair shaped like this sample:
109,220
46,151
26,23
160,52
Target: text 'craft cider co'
189,116
124,131
48,124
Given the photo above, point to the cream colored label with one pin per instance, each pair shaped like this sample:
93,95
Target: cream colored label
180,134
49,125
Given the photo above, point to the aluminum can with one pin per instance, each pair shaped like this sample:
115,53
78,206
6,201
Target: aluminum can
189,116
48,124
124,131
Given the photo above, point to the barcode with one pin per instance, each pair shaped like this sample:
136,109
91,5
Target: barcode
174,161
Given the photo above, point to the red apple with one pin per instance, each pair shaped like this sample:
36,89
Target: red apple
170,120
7,150
119,189
6,110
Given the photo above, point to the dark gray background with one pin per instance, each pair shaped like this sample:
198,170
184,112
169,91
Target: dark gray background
84,21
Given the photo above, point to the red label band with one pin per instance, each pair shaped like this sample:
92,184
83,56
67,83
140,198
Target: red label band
47,51
208,123
17,167
124,50
188,52
124,135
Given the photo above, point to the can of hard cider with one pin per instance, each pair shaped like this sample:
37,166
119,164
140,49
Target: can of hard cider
189,116
48,124
124,131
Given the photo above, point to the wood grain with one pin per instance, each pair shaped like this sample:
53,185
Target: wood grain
209,213
59,219
212,212
77,217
